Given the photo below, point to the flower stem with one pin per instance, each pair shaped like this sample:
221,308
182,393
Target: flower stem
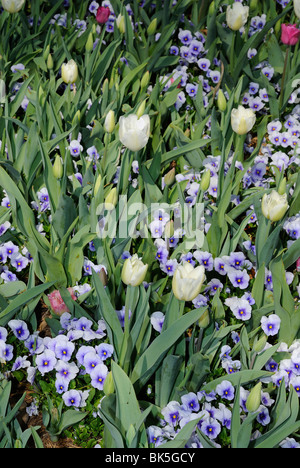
232,53
283,77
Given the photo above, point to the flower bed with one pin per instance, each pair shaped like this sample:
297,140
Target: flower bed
150,223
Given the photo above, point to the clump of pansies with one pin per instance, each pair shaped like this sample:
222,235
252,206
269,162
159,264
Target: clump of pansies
213,410
72,363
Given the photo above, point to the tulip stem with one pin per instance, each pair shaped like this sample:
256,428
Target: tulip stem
239,147
128,307
106,143
283,78
232,53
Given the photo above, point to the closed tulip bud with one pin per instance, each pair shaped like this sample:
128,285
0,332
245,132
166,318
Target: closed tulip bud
109,123
109,386
105,85
187,132
97,184
141,109
50,62
111,199
242,120
204,320
46,52
260,344
274,206
2,91
212,8
222,103
237,16
76,118
253,4
187,281
169,178
298,265
145,80
69,72
205,181
152,27
297,8
277,27
103,276
134,271
282,187
54,416
12,6
254,399
169,229
89,43
121,23
134,132
58,169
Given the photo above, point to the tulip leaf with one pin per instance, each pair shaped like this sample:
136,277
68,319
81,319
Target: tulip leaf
109,315
292,254
12,288
21,300
127,407
64,215
244,377
154,354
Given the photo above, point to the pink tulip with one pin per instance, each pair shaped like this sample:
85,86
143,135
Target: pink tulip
103,14
57,304
290,34
298,265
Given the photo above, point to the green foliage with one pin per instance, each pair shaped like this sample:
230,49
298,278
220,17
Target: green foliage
11,433
131,71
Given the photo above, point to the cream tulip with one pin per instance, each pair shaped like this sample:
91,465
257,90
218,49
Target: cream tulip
274,206
134,271
187,281
69,71
242,120
237,16
297,8
12,6
134,132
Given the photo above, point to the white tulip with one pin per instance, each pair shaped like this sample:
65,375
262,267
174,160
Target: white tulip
187,281
134,271
274,206
242,120
297,8
237,16
69,71
134,132
12,6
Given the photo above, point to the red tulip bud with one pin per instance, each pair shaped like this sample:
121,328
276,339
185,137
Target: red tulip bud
103,14
290,34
